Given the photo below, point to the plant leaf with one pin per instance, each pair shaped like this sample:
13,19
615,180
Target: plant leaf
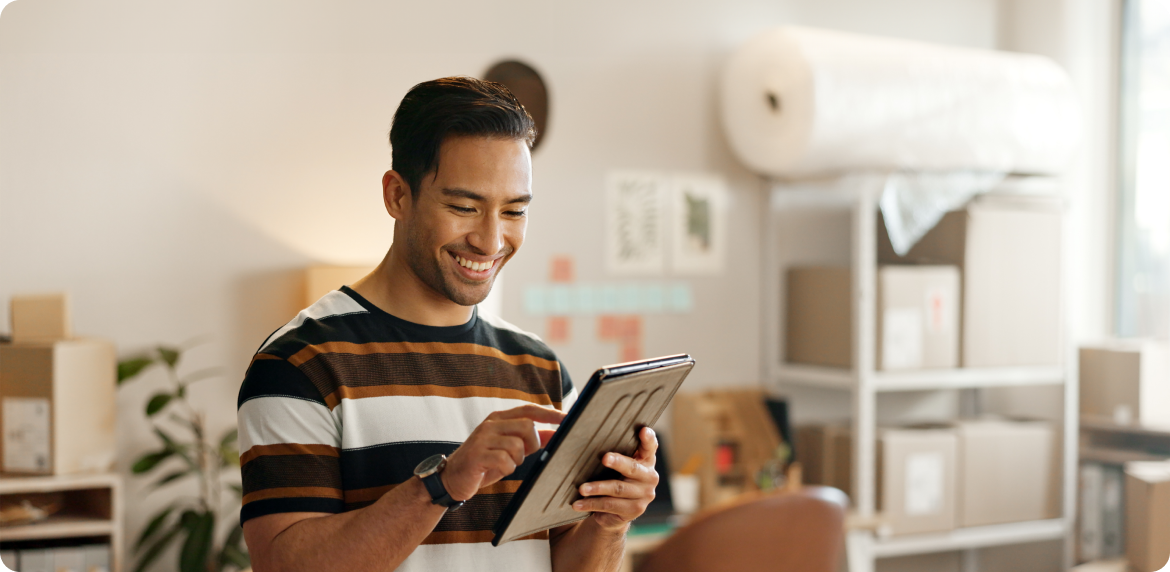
239,490
229,438
150,461
197,548
131,367
169,355
154,526
157,403
172,477
157,548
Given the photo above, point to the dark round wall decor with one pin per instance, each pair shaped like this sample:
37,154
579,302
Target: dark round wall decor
528,87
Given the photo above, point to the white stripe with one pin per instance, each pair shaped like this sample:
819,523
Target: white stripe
518,555
275,420
500,323
569,400
335,303
374,421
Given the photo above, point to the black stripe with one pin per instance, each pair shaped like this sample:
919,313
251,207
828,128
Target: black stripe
327,370
300,504
276,377
479,513
278,471
394,463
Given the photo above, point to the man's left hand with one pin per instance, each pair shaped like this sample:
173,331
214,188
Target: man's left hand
615,503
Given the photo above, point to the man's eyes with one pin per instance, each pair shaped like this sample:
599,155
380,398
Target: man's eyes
471,210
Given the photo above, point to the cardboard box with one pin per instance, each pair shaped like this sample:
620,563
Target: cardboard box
1147,515
1126,381
825,453
917,317
916,471
1008,249
1007,472
916,479
57,407
819,316
40,318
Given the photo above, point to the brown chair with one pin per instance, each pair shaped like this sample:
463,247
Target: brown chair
791,531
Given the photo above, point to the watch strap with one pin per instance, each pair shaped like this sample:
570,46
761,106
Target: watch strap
439,495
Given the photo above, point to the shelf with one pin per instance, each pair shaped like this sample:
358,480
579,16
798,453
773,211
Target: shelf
973,537
58,527
961,378
1111,456
1106,425
47,484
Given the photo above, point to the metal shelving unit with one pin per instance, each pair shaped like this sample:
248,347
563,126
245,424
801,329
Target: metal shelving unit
784,247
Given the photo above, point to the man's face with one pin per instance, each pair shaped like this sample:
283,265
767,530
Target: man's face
470,216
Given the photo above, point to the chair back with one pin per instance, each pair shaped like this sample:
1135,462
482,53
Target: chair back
800,531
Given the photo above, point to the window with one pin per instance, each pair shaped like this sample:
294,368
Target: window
1144,256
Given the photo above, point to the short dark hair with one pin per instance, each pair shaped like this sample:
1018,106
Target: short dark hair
452,106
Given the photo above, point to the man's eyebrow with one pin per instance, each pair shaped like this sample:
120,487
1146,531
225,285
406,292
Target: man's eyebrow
474,196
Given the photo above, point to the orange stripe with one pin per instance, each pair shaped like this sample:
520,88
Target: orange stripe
309,352
375,493
293,492
288,449
345,392
460,537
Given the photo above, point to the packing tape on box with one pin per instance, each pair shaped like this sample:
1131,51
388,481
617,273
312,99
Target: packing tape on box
800,102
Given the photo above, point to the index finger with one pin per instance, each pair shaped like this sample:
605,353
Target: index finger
534,412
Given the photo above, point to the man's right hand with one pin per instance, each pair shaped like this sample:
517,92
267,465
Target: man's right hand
496,447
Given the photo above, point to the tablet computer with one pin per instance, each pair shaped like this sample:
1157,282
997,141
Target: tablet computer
616,403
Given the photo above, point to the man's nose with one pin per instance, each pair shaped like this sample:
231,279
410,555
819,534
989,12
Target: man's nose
488,235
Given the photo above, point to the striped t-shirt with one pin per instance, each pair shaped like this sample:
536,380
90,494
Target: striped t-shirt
340,405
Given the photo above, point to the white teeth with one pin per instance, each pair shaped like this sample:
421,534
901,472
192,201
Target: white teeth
476,266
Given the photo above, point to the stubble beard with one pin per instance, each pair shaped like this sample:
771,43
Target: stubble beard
432,273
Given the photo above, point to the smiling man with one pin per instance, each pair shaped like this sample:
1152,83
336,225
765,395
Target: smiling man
388,424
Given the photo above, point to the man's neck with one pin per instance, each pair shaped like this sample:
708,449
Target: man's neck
397,290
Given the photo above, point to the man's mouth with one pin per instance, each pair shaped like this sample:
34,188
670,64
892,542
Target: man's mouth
475,266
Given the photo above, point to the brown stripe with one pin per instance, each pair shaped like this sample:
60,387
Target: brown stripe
375,493
309,352
345,392
288,449
473,536
293,492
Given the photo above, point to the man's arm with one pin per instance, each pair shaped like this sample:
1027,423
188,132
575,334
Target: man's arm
597,543
380,536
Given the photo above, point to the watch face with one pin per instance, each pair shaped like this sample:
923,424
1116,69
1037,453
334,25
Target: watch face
429,465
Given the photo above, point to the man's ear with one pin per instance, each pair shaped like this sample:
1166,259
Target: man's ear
396,195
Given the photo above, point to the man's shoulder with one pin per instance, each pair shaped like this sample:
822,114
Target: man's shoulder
512,335
324,318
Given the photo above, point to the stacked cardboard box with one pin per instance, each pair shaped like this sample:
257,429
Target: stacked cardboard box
57,402
937,477
917,317
1008,249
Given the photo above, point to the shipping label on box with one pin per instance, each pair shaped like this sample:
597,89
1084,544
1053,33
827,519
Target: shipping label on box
26,434
916,479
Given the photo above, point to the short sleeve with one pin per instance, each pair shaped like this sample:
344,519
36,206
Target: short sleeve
568,392
290,443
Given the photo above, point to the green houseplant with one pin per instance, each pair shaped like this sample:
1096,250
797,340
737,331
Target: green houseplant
187,451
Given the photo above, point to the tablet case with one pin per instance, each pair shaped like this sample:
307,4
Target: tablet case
615,404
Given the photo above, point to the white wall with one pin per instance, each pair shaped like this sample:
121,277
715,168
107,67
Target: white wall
172,164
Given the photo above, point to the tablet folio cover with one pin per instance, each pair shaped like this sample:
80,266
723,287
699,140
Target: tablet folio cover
617,402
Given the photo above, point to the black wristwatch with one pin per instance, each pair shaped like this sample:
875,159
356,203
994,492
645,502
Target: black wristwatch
428,471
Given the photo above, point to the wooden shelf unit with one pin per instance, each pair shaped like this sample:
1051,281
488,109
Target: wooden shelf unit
92,508
863,382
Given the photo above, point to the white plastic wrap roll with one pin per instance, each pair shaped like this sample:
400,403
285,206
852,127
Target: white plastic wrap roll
801,102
